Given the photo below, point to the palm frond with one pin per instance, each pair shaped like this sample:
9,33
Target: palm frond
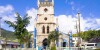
20,24
11,24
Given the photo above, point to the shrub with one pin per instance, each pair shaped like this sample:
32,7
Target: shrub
53,48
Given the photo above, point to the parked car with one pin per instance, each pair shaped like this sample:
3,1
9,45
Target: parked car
89,45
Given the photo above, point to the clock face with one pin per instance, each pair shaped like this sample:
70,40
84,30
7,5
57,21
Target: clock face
45,10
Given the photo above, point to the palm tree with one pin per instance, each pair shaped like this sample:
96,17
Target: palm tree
53,36
20,30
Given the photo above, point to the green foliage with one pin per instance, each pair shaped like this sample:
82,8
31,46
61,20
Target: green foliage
53,36
7,34
75,35
98,33
97,49
87,35
53,48
19,27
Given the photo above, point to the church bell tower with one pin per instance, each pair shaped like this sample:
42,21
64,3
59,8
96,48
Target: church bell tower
45,20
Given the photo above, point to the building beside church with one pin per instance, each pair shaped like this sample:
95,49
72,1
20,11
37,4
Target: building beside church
45,20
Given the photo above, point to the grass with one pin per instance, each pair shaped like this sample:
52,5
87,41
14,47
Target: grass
97,49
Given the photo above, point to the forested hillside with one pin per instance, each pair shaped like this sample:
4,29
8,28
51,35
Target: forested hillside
7,34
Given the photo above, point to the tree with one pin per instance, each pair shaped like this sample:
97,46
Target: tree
75,35
53,36
87,35
98,33
20,30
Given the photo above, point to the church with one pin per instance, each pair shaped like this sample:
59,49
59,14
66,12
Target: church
45,21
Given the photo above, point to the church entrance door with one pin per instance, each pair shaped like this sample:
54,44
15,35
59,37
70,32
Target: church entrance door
45,43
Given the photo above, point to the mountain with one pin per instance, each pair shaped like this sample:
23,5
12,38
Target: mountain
7,34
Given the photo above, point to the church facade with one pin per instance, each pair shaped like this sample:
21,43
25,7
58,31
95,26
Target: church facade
45,20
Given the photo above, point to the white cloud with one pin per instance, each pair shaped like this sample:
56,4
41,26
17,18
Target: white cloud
9,18
6,8
98,21
68,23
33,13
7,13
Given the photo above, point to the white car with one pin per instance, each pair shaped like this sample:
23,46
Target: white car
89,45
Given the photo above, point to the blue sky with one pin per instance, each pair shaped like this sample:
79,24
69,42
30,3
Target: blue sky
86,7
89,10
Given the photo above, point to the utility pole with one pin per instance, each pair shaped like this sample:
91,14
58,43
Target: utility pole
76,27
79,21
69,40
79,42
0,25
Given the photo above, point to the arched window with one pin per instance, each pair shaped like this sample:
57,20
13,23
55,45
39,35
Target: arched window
43,29
47,29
